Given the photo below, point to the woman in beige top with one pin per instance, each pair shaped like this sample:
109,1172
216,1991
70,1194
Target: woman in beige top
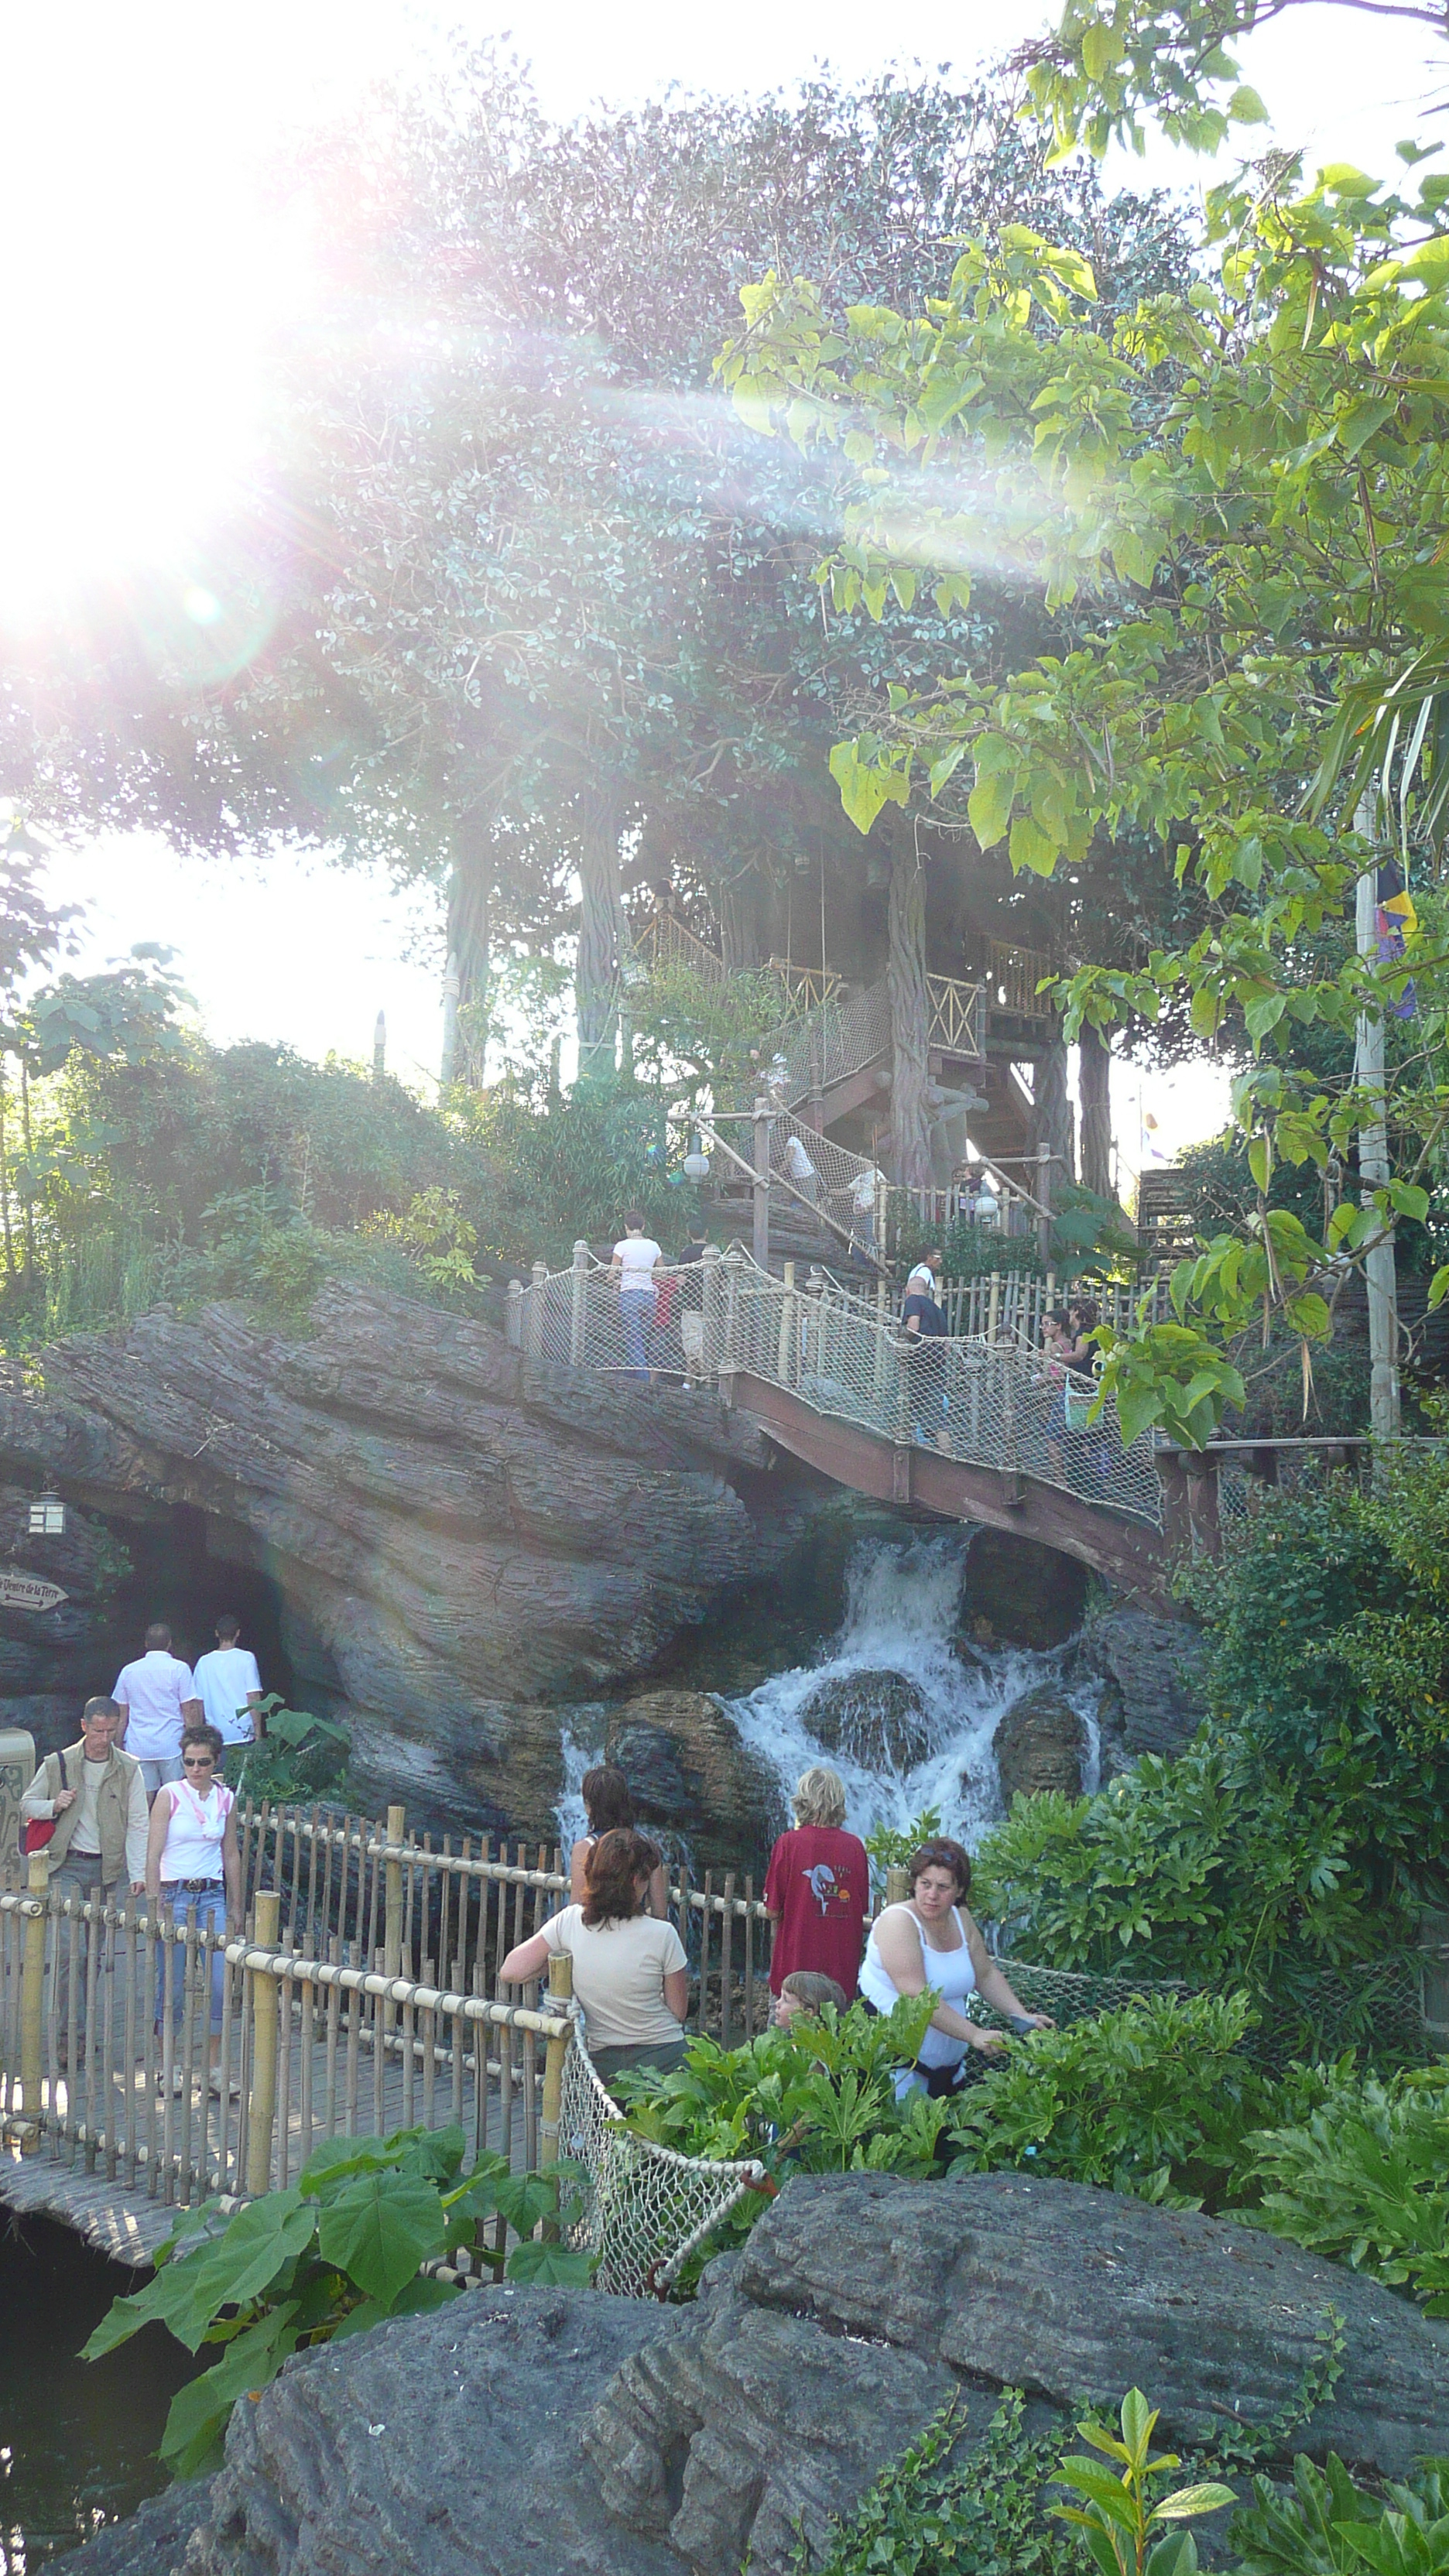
631,1975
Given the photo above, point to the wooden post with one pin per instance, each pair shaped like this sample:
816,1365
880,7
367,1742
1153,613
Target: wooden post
763,1122
993,1316
513,1314
1433,1975
560,1991
32,1996
1044,1160
898,1884
535,1310
578,1304
262,2105
713,1312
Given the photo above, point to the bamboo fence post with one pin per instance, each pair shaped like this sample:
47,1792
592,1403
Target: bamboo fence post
32,1997
560,1992
898,1885
262,2107
392,1933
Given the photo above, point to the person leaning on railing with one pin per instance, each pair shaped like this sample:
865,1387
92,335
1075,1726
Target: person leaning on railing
630,1971
931,1940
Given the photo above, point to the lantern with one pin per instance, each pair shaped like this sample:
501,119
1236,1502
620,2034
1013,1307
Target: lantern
696,1161
47,1517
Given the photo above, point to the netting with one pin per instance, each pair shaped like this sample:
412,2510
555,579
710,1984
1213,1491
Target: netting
984,1404
1313,2012
845,1187
844,1033
646,2209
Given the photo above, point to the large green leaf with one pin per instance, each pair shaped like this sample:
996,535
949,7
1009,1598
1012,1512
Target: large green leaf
261,2242
192,2440
380,2229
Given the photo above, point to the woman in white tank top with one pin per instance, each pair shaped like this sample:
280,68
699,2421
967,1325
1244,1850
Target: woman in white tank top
193,1865
932,1941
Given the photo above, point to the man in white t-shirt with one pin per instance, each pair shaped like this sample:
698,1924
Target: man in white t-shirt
231,1686
156,1697
632,1271
924,1280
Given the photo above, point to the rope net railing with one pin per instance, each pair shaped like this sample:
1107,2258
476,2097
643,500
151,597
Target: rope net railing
646,2208
985,1404
842,1034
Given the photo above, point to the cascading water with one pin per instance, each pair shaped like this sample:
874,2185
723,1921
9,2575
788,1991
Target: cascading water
902,1608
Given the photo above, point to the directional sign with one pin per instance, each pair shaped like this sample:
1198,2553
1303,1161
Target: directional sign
28,1591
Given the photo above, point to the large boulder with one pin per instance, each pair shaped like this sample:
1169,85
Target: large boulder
520,2429
879,1719
462,1537
1152,1685
1018,1592
691,1775
1039,1743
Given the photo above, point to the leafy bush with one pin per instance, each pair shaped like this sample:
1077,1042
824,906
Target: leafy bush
299,1756
1205,1868
1155,2100
926,2513
815,2097
1329,2527
1365,2180
1116,2510
568,1169
335,2254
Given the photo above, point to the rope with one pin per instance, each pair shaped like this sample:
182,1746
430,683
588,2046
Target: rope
646,2207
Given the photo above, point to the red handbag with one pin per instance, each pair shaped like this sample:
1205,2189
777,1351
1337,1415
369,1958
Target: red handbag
38,1831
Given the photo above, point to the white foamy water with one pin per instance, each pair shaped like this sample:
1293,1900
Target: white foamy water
901,1612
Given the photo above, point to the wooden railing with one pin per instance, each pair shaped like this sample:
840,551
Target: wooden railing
956,1021
1012,976
667,941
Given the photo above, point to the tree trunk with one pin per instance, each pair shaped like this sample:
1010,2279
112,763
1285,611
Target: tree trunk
737,909
1054,1114
1096,1106
601,932
466,980
910,1012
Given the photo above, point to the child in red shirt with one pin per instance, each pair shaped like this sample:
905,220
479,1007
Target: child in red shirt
817,1892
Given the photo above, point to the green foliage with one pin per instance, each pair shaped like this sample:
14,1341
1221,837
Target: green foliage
980,2516
814,2097
1327,2526
1155,2099
335,2254
1206,1868
565,1170
299,1757
890,1846
1365,2180
1116,2509
436,1235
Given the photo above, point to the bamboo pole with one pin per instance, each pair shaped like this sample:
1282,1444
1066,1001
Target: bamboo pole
262,2107
560,1992
392,1936
32,1998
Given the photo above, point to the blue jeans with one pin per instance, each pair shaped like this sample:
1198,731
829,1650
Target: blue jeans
636,1313
208,1912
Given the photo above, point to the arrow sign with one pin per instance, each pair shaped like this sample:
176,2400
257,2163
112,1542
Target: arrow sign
28,1591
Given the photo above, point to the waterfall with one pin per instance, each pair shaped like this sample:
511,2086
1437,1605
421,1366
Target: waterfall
902,1606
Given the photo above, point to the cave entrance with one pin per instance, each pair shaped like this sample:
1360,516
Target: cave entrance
177,1577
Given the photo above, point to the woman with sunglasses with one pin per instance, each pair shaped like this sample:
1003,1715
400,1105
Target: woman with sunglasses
193,1865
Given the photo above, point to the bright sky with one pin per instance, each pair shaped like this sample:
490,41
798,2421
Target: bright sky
151,264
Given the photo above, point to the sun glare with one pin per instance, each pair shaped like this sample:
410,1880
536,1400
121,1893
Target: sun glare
146,270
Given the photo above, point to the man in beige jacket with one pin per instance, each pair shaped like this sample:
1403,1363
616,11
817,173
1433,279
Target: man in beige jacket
96,1796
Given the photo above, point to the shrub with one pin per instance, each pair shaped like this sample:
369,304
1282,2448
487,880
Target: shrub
1155,2100
300,1756
337,2253
1327,2526
1365,2180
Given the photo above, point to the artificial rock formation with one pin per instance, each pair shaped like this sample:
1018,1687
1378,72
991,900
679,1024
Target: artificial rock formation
1039,1744
1152,1682
461,1538
879,1719
518,2430
1016,1592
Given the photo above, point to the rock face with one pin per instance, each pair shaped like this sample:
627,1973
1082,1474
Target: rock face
461,1537
1151,1671
877,1718
690,1774
1039,1744
519,2430
1019,1593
